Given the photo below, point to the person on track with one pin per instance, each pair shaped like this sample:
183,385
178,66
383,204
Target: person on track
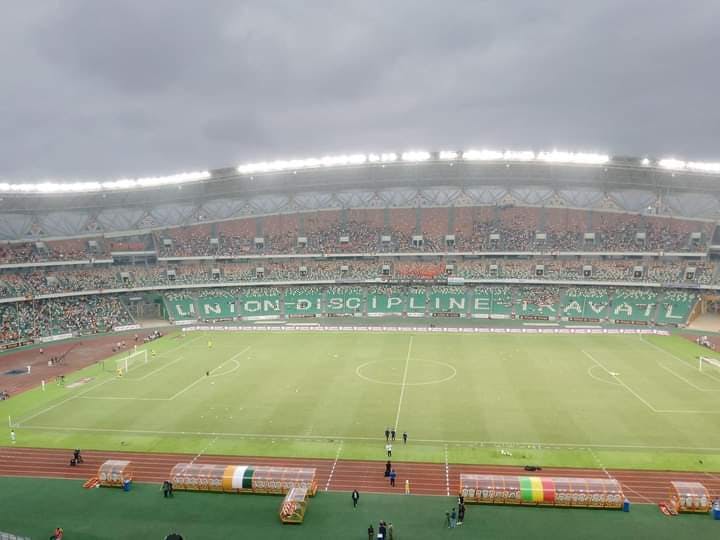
387,434
392,434
12,436
388,449
355,497
404,437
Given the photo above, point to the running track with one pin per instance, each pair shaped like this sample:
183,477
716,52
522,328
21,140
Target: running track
341,475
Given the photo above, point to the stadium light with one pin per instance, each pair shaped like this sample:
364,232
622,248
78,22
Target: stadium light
309,163
703,166
672,163
697,166
482,155
523,155
448,155
496,155
416,155
645,162
579,158
89,187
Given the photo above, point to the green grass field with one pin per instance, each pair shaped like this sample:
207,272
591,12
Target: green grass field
591,400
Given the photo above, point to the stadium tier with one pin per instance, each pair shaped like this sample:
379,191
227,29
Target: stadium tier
22,283
497,228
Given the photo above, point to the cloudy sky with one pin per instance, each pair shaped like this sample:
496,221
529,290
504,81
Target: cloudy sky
96,89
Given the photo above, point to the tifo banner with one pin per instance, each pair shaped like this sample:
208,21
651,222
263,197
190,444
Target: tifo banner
630,307
447,330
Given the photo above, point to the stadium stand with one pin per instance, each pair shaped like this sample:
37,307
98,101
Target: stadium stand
517,261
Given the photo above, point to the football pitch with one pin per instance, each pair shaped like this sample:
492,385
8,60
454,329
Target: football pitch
566,400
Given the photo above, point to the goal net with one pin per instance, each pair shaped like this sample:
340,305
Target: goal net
709,364
132,360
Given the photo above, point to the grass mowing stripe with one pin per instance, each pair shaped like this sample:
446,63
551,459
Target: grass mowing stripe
404,383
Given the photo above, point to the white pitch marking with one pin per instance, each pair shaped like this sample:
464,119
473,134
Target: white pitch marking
153,372
447,472
343,437
332,471
404,382
695,386
671,355
633,392
189,386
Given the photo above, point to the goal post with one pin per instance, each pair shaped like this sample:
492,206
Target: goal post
132,360
708,364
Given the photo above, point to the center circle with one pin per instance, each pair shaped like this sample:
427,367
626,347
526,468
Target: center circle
442,375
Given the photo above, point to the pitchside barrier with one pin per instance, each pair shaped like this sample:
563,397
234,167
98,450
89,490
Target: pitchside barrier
542,491
446,330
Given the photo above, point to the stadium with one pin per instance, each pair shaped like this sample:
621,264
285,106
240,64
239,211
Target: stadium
504,310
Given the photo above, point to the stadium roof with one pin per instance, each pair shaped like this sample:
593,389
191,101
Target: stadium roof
554,157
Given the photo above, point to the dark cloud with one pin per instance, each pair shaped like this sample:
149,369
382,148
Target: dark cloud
105,89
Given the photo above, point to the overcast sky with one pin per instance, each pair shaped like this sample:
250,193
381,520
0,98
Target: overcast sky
96,89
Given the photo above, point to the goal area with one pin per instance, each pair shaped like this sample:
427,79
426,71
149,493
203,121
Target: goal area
132,360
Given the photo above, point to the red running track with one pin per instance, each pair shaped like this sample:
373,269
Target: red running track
341,475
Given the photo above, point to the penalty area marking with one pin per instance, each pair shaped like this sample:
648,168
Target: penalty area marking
644,401
621,383
201,379
605,381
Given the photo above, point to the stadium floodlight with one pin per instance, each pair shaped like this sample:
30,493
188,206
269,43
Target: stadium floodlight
41,188
522,155
388,157
645,162
581,158
309,163
698,166
448,155
482,155
703,166
416,155
672,163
